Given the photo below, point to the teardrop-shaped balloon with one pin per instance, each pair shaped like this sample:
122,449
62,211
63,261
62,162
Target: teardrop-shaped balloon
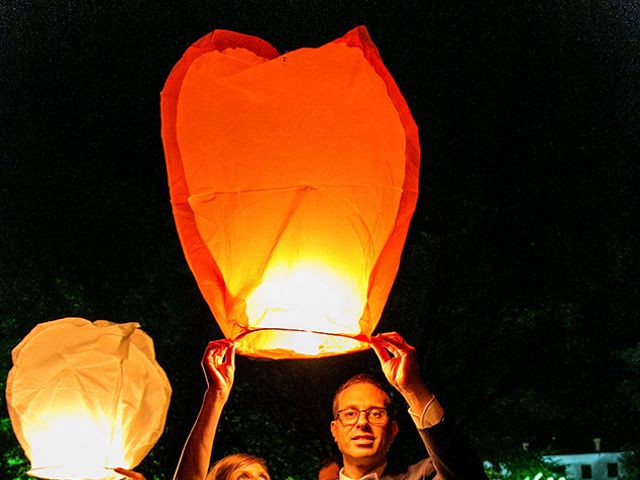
293,179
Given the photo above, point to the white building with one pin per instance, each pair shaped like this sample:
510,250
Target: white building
589,466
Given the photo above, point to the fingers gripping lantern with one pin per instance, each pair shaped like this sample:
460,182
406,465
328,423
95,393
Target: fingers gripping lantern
293,179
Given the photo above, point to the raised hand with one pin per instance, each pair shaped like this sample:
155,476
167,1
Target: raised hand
219,366
400,366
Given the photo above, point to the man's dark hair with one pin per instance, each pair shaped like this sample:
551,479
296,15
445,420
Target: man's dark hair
360,378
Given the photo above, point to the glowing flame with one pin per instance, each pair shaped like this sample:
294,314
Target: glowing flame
304,298
75,445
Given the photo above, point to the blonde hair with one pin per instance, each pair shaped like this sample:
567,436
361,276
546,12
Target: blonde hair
224,467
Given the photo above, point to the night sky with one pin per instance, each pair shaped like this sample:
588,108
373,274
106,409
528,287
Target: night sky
518,283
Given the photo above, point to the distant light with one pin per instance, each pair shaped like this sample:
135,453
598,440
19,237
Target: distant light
538,476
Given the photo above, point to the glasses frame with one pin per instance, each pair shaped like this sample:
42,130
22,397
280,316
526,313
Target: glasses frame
367,413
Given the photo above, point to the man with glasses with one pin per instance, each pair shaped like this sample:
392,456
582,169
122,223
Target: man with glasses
364,431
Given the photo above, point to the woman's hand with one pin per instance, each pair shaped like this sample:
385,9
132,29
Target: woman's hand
219,366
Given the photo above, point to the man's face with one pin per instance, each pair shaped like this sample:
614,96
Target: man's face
363,443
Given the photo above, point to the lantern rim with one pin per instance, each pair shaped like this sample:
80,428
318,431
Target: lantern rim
60,472
351,343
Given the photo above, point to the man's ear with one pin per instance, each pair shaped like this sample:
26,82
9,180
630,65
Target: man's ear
334,430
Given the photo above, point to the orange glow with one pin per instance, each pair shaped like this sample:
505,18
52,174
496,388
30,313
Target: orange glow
84,397
311,292
293,180
73,445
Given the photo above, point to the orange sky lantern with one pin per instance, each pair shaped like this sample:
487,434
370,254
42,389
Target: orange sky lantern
85,396
293,180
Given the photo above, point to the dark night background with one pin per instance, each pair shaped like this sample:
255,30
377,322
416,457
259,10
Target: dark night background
519,281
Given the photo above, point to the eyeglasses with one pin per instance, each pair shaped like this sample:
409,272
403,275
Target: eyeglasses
374,415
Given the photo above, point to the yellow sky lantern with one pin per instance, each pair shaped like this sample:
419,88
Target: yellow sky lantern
86,396
293,179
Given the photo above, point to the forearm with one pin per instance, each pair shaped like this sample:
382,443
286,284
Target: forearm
196,455
417,396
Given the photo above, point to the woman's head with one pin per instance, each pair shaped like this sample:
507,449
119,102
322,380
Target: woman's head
239,466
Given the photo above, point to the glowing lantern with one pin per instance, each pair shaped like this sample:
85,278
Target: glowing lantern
85,396
293,180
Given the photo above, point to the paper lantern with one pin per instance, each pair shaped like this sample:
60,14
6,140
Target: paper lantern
86,396
293,179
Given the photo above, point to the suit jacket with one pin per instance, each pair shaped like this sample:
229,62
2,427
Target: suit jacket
450,457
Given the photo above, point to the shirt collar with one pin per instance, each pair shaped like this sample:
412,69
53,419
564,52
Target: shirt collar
375,475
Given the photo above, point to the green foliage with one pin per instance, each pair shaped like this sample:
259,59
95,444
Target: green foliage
13,463
522,465
630,464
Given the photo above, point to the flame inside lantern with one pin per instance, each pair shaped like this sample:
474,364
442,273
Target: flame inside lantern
73,445
326,300
307,294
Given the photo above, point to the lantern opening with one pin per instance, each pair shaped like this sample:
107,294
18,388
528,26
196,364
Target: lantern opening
62,473
281,343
